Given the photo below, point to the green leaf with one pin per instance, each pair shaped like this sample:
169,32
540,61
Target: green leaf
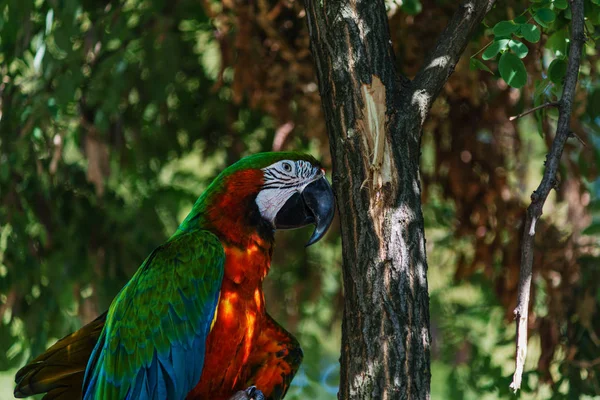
519,48
520,20
557,42
593,103
567,14
541,4
538,99
475,64
561,4
589,25
592,14
412,7
37,133
540,88
557,70
594,206
540,114
531,33
494,49
505,28
544,17
512,70
596,2
593,229
540,125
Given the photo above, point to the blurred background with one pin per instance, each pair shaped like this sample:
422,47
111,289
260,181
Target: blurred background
115,115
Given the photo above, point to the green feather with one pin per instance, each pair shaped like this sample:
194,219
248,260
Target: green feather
160,306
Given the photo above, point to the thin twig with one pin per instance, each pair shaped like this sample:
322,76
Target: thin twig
576,136
483,48
586,364
538,198
534,109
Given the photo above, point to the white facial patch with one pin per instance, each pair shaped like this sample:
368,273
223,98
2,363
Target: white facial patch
282,180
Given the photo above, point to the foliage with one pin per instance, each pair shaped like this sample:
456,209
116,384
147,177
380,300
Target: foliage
115,116
550,17
561,292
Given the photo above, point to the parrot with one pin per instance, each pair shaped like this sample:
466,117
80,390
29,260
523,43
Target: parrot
191,323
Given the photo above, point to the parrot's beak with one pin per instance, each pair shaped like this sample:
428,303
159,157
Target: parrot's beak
315,205
319,199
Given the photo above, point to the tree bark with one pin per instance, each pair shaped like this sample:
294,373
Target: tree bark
374,119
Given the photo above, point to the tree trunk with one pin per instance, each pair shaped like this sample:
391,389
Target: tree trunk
385,332
374,119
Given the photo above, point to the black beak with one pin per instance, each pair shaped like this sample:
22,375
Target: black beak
315,205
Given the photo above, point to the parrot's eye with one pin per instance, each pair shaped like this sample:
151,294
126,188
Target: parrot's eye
287,167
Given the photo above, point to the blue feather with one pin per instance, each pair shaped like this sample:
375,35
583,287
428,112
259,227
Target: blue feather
140,356
178,360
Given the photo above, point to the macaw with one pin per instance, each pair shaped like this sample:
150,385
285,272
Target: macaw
191,323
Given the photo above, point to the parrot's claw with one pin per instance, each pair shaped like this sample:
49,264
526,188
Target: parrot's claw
254,393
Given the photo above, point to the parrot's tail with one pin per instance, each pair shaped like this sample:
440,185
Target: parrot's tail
60,370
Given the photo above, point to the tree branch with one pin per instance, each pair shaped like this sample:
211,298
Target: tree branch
534,109
440,63
538,198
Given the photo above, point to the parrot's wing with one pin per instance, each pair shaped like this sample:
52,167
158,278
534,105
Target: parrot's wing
153,343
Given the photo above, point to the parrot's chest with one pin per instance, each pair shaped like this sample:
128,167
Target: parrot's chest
239,317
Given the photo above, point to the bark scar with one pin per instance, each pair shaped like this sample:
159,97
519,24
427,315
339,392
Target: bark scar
372,125
380,170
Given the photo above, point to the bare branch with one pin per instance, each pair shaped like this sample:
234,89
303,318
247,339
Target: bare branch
534,109
538,198
451,44
576,136
586,364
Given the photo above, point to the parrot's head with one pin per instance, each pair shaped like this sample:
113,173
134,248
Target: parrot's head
268,191
295,193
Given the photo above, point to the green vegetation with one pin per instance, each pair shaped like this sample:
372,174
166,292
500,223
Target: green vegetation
115,116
